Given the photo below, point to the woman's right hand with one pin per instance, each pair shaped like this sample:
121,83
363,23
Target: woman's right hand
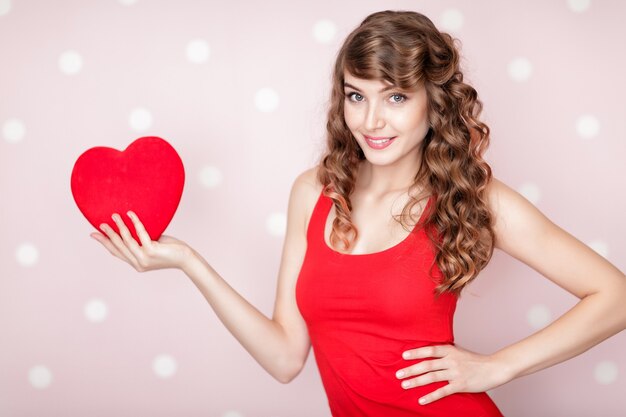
167,252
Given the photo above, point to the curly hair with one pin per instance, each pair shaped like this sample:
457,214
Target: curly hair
406,49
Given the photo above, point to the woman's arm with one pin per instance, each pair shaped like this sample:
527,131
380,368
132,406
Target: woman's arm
279,352
525,233
280,344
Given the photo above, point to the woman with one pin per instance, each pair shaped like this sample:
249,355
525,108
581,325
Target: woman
374,297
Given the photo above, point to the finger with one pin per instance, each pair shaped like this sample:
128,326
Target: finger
129,240
108,245
425,379
421,368
437,394
119,244
144,237
436,351
167,239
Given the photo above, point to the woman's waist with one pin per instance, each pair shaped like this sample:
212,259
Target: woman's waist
348,338
369,380
369,355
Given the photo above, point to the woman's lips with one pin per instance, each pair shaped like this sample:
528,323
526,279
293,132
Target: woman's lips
379,143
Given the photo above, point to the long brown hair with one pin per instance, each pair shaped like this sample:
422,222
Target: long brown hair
406,49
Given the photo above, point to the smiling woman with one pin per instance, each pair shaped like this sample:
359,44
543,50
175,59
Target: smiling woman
377,117
404,148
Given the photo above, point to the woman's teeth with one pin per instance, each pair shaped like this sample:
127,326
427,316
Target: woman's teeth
379,143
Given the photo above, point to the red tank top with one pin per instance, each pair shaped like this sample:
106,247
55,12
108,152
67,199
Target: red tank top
362,311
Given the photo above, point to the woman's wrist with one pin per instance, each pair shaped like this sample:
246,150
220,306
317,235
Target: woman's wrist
507,371
189,260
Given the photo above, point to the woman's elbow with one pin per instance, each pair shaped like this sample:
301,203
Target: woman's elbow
286,378
289,372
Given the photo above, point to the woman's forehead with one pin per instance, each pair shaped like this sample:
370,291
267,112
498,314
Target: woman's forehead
363,82
376,85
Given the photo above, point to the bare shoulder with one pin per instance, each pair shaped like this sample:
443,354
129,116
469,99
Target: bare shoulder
308,178
286,311
525,233
305,191
514,215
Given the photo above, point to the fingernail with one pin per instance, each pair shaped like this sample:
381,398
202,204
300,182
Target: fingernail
129,213
422,401
406,384
400,374
406,355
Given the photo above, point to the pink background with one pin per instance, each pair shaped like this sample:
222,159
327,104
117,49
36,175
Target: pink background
240,90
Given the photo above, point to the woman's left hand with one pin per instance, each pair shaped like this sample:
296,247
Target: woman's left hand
465,371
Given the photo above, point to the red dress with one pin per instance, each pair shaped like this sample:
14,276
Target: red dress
362,311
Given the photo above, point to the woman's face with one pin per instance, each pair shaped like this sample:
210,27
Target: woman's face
376,109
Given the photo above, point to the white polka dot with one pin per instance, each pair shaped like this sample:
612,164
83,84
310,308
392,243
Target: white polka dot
600,247
127,2
266,100
40,376
27,254
140,119
605,372
531,192
198,51
96,310
276,224
210,176
164,366
70,62
232,413
538,316
578,6
587,126
5,7
452,20
13,130
324,30
520,69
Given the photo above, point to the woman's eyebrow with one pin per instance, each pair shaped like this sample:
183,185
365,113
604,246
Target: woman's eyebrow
381,91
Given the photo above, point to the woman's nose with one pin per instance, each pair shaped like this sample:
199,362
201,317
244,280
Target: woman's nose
374,118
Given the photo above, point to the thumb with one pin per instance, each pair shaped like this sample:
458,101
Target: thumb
167,239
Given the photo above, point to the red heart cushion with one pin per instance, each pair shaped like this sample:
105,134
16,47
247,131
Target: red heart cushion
147,178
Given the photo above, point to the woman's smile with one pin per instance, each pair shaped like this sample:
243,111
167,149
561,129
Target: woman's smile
378,143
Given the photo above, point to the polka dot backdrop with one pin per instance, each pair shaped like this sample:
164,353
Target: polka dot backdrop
240,89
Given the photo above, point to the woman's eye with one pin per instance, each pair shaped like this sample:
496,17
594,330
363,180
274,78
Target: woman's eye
401,96
349,95
396,98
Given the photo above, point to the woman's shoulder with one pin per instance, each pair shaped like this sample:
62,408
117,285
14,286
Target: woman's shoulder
307,189
308,183
515,217
500,196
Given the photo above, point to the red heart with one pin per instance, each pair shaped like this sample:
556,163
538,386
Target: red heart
147,178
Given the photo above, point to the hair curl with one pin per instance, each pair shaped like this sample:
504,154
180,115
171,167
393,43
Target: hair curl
406,49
